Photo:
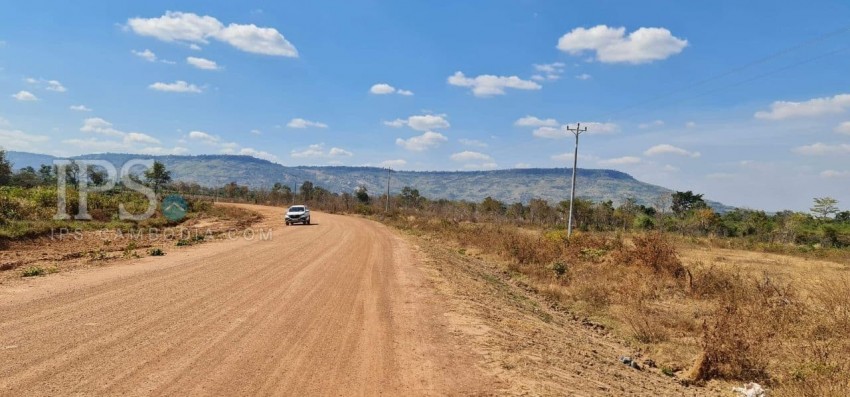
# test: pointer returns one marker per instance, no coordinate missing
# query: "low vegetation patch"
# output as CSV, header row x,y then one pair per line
x,y
699,321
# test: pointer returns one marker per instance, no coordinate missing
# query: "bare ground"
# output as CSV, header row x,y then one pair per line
x,y
345,307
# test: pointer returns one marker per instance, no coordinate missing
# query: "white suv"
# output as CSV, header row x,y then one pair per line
x,y
298,214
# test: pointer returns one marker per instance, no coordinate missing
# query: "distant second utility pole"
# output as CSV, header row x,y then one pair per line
x,y
576,131
387,209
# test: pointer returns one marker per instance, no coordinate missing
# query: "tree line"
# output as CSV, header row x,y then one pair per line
x,y
685,213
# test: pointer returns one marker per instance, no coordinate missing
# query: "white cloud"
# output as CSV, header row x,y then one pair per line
x,y
843,128
382,89
251,38
393,163
98,125
654,124
422,142
611,45
594,127
397,123
204,137
256,132
302,123
318,151
202,63
49,85
627,160
835,174
130,142
423,122
161,151
258,154
177,86
147,55
467,156
488,85
781,110
821,149
669,149
54,85
522,165
19,140
472,142
551,133
531,121
25,96
79,108
583,77
549,71
192,28
427,122
563,132
690,124
138,137
177,26
385,89
94,145
336,152
474,160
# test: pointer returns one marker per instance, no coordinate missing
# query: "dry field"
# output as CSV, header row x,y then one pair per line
x,y
704,316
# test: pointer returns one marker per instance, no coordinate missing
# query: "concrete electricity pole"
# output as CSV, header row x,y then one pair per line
x,y
576,131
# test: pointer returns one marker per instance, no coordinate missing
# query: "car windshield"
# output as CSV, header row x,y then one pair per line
x,y
296,209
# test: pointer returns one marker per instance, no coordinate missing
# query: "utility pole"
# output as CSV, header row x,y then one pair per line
x,y
576,131
387,209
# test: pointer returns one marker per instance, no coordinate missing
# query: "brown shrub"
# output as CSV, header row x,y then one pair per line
x,y
706,282
653,251
644,323
740,338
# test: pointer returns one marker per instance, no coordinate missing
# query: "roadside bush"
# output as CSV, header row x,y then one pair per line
x,y
33,271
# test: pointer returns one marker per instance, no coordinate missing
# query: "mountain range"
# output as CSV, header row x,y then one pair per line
x,y
510,185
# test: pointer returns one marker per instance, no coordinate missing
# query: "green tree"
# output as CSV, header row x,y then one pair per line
x,y
307,191
492,206
5,169
685,202
97,176
362,194
47,174
25,177
410,197
825,207
157,176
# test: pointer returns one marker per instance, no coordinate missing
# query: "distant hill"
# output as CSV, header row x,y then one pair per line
x,y
512,185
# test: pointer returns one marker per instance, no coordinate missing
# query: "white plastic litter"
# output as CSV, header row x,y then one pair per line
x,y
750,390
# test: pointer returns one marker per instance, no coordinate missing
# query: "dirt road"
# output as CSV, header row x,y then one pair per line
x,y
337,308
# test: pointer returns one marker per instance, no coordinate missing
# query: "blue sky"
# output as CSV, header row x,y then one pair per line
x,y
747,102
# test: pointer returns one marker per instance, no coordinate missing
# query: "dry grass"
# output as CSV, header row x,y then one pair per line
x,y
725,314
